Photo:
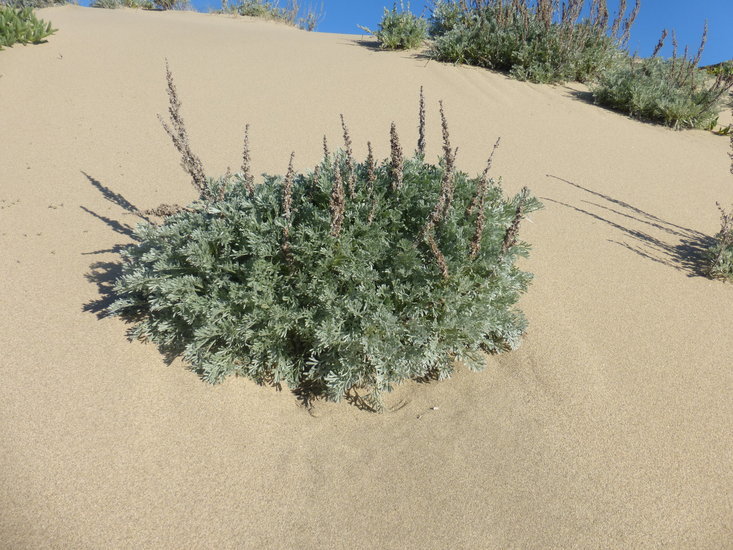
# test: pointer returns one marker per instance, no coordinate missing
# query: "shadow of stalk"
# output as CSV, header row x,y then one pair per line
x,y
686,251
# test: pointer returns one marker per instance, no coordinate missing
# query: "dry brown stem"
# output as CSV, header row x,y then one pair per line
x,y
337,202
421,133
177,132
246,164
371,178
478,203
287,206
351,176
397,159
164,210
510,237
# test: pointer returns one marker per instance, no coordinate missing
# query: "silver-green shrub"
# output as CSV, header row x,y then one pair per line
x,y
352,275
541,41
669,91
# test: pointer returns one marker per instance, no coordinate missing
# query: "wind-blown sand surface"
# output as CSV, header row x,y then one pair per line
x,y
609,428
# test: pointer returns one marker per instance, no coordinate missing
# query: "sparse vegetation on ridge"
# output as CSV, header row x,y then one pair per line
x,y
400,29
292,14
352,275
672,91
114,4
21,26
543,41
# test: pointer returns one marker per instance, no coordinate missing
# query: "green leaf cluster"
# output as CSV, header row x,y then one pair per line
x,y
20,25
239,286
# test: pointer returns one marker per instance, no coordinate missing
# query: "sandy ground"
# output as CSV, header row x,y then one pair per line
x,y
609,428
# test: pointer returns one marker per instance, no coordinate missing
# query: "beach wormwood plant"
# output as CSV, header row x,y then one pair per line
x,y
348,278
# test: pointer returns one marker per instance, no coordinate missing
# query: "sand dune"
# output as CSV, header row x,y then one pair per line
x,y
609,428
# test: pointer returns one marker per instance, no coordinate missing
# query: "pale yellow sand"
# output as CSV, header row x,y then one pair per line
x,y
609,428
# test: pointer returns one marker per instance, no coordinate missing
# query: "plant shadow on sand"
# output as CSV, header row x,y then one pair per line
x,y
686,254
104,274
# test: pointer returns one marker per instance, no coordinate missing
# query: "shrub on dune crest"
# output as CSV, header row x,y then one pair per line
x,y
542,41
400,29
669,91
21,26
306,19
114,4
352,275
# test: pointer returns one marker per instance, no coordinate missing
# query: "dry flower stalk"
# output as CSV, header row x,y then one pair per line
x,y
447,183
510,237
287,205
421,133
177,132
446,197
371,178
337,203
164,210
482,186
325,148
288,190
479,201
246,164
351,176
439,257
397,159
660,44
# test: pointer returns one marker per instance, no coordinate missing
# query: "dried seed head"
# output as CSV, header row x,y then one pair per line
x,y
337,202
288,190
630,23
421,133
325,148
619,18
371,178
246,164
397,160
439,257
287,208
482,186
704,41
660,44
177,132
510,237
351,176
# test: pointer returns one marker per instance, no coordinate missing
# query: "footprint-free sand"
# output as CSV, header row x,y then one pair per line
x,y
611,427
